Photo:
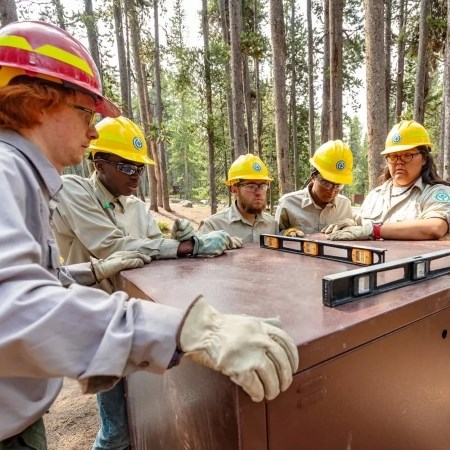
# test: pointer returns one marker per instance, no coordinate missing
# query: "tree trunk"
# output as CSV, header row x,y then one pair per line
x,y
312,133
279,75
123,64
376,85
336,77
403,4
92,33
446,104
259,119
248,105
60,14
422,63
236,77
209,109
293,101
158,110
8,12
325,119
144,109
226,39
387,49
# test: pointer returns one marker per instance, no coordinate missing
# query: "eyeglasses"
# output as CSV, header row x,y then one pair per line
x,y
328,185
126,168
253,187
92,114
404,158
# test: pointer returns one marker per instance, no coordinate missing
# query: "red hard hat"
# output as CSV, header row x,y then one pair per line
x,y
43,50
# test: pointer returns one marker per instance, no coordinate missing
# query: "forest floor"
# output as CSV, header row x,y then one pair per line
x,y
72,421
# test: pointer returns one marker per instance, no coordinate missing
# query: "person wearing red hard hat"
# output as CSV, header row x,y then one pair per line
x,y
50,326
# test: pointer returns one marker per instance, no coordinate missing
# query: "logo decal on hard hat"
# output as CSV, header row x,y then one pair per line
x,y
138,144
257,167
442,196
340,165
396,138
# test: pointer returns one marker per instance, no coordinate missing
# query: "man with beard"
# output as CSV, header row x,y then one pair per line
x,y
249,181
320,203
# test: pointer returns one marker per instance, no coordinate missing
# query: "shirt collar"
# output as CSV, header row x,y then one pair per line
x,y
106,197
34,155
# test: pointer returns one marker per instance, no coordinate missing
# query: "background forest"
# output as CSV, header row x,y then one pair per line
x,y
208,80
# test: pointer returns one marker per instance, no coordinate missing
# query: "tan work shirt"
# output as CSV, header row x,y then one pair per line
x,y
422,201
297,209
235,224
90,221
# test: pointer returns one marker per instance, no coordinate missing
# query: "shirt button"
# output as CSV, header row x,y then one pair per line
x,y
143,364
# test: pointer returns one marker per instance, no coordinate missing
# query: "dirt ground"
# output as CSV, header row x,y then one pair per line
x,y
72,421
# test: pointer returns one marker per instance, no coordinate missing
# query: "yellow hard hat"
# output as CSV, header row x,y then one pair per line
x,y
334,161
405,135
121,137
247,167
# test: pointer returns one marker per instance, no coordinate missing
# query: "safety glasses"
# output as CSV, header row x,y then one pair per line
x,y
126,168
253,187
91,114
328,185
405,158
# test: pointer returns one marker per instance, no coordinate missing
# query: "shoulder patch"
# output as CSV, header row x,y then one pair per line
x,y
442,196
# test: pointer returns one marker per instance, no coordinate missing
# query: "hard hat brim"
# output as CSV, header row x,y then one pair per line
x,y
398,148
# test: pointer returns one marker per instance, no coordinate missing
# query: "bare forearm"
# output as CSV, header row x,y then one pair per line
x,y
421,229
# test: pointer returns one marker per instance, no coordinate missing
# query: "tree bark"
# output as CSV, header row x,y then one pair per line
x,y
209,109
8,12
92,34
279,75
387,49
122,58
400,60
422,63
312,133
158,110
376,85
293,102
336,77
325,116
144,108
446,105
236,77
248,105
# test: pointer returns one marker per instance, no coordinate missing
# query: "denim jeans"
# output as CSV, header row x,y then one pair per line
x,y
32,438
113,432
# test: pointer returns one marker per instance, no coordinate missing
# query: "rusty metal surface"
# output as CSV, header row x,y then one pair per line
x,y
268,283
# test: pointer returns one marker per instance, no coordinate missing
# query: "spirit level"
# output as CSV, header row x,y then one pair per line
x,y
355,284
360,255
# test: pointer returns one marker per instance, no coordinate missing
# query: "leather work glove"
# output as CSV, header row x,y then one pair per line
x,y
293,232
211,244
234,242
338,226
255,354
182,230
356,233
121,260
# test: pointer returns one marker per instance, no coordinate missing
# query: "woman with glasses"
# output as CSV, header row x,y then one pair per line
x,y
411,201
320,203
249,181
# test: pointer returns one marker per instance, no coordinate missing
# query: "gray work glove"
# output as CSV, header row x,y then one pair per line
x,y
234,242
293,232
182,230
121,260
211,244
256,354
338,226
355,233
